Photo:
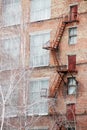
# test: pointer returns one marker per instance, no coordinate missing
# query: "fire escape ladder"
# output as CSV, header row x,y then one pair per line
x,y
55,59
60,79
53,45
56,85
59,35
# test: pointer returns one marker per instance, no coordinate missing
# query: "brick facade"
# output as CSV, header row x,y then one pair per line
x,y
58,111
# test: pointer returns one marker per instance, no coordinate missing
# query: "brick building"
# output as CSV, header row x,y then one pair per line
x,y
43,65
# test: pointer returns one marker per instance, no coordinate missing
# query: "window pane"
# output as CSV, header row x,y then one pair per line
x,y
75,31
71,86
74,39
72,35
72,90
72,81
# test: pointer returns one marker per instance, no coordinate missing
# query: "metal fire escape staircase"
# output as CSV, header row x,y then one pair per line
x,y
53,47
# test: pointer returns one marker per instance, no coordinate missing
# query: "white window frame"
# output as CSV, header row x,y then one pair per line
x,y
42,99
43,58
72,87
40,13
72,36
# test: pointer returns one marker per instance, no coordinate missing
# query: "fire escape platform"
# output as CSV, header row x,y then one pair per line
x,y
71,21
63,71
49,48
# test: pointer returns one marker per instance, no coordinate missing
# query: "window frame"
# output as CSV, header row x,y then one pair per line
x,y
12,40
44,99
72,36
71,86
5,14
71,128
46,53
44,17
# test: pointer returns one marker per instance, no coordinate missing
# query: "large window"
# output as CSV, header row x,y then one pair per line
x,y
11,12
38,104
73,35
71,85
40,10
38,55
10,94
10,50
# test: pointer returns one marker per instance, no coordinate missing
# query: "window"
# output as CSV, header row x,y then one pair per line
x,y
71,128
73,12
39,129
38,104
71,62
40,10
38,55
12,105
71,85
10,52
12,99
73,35
70,112
11,12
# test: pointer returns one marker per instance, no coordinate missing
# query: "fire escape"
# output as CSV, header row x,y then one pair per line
x,y
53,46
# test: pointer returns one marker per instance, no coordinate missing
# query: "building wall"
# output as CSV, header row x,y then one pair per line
x,y
58,9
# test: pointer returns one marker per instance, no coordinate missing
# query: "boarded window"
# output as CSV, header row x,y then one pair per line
x,y
71,112
73,12
72,62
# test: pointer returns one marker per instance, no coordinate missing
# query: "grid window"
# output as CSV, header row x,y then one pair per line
x,y
38,104
38,55
71,85
11,12
40,10
73,35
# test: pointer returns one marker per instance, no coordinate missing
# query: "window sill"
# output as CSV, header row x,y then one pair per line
x,y
5,26
39,21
